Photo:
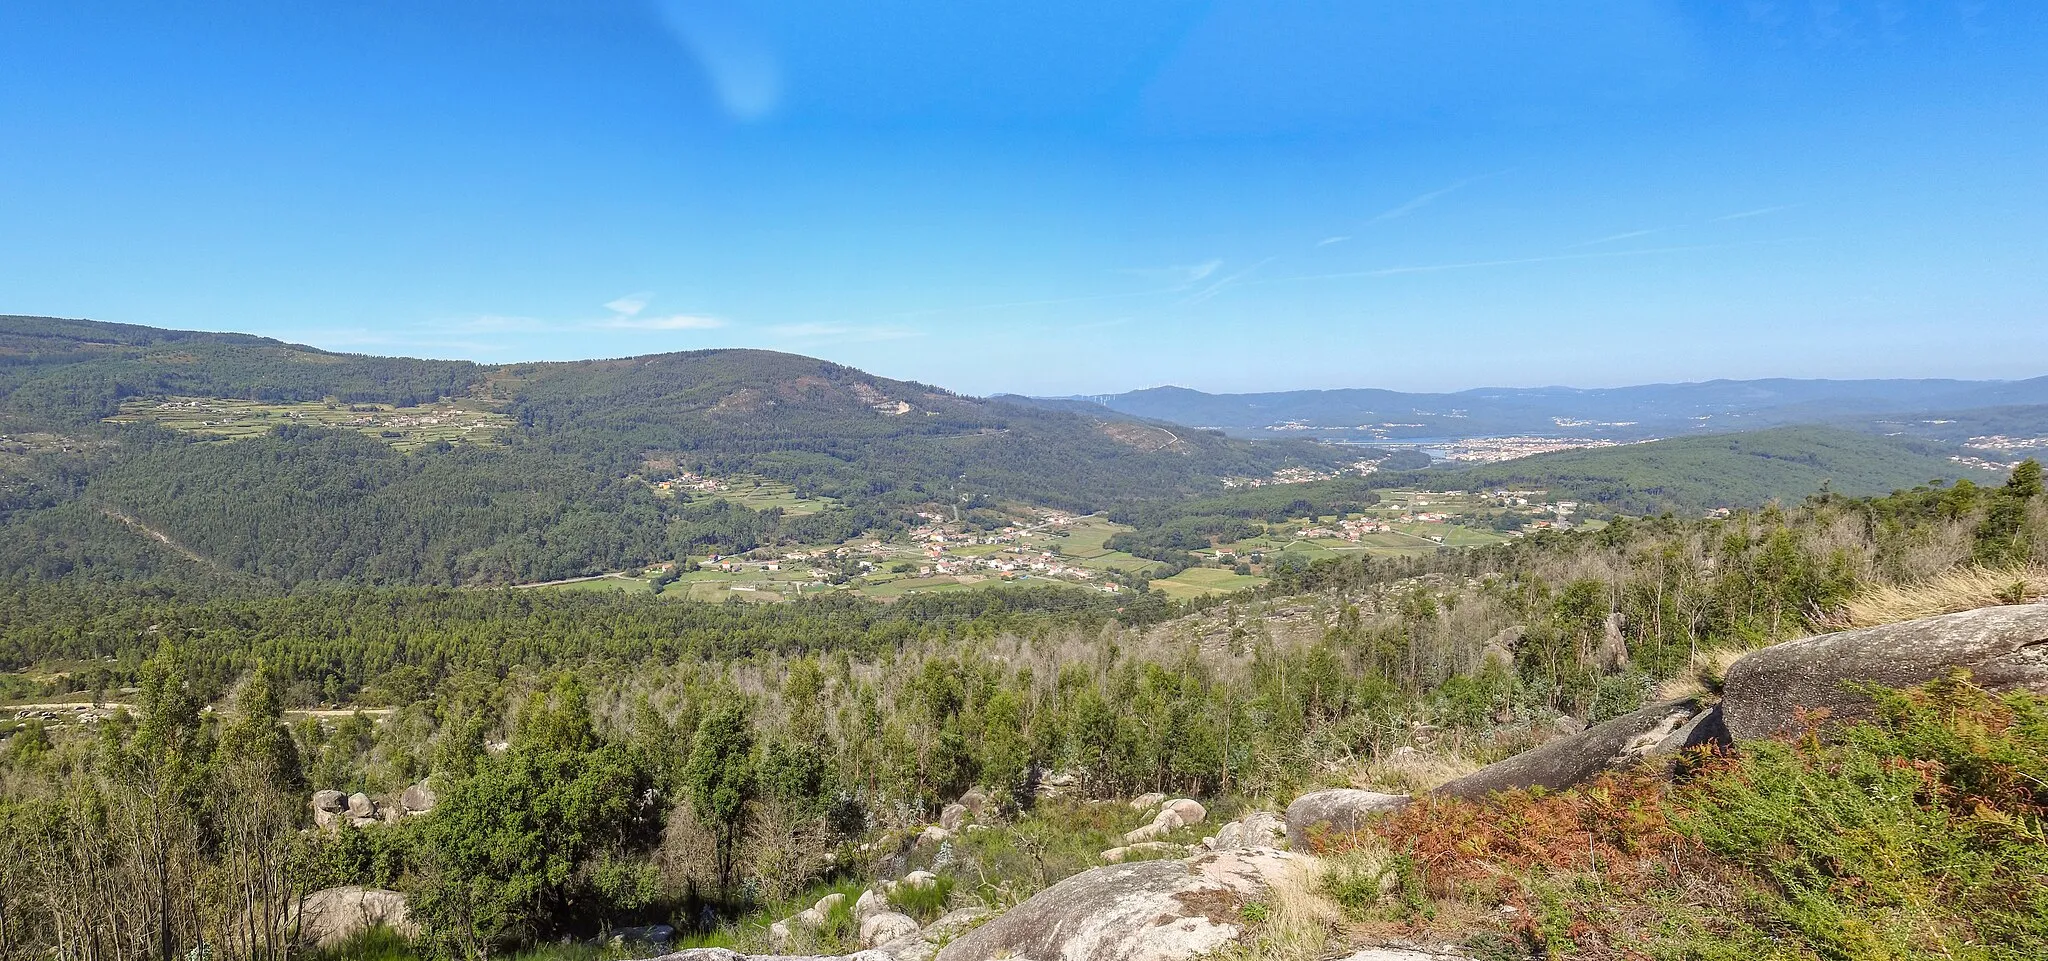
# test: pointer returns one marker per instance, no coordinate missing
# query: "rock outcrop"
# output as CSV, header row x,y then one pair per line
x,y
1336,811
1613,653
1653,731
886,926
1500,649
418,799
331,916
1190,810
1148,911
1764,693
329,807
1259,829
870,903
1172,816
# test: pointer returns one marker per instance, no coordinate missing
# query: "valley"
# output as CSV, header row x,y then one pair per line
x,y
708,650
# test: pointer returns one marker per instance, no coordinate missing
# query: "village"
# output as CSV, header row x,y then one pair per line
x,y
1020,544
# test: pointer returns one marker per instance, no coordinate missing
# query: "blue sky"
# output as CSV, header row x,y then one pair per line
x,y
1053,197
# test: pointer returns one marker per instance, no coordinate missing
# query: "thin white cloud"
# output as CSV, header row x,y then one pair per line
x,y
1327,241
630,304
1518,261
1226,283
1420,201
1746,214
1621,236
671,322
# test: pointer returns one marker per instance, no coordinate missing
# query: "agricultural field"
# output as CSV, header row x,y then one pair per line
x,y
1085,543
406,428
757,494
1197,581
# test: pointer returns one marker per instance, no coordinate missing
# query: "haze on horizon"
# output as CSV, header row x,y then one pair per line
x,y
1066,199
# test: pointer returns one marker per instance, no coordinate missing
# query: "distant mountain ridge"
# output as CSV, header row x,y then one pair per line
x,y
1621,413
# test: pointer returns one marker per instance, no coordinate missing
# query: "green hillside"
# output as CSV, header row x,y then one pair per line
x,y
129,452
1724,470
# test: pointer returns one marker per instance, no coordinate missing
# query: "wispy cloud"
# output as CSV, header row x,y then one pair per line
x,y
631,303
627,310
1518,261
1420,201
1327,241
1226,283
1630,235
842,332
1758,212
671,322
1046,302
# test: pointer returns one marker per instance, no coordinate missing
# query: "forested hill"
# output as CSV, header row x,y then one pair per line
x,y
1726,470
78,371
241,459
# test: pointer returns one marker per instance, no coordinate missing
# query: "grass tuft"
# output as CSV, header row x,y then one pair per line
x,y
1962,589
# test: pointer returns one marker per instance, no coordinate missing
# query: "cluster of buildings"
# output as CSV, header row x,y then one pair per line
x,y
687,481
1302,475
1488,450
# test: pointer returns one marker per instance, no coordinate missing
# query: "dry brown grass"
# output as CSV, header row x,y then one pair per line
x,y
1410,771
1299,921
1701,675
1961,589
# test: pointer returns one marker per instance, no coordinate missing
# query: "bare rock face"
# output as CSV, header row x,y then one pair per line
x,y
360,806
885,927
418,799
334,915
1613,653
2004,648
1165,823
1148,911
1500,649
871,903
1336,811
1259,829
953,817
1146,802
329,808
1190,811
1645,733
976,802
